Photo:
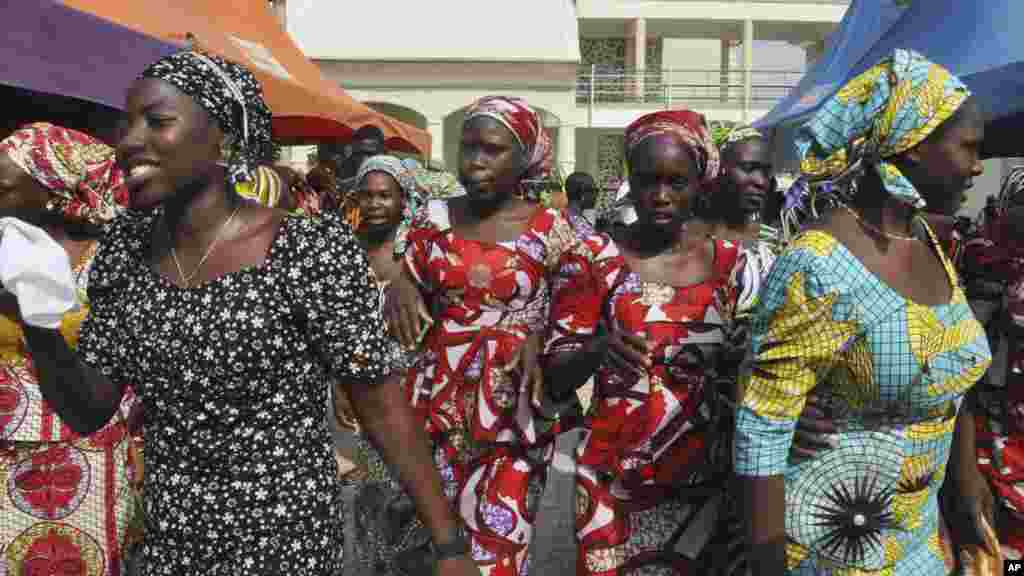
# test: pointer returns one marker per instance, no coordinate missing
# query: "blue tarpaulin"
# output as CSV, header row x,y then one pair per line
x,y
972,39
53,49
863,24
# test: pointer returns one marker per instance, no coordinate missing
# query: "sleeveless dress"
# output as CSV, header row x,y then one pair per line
x,y
240,471
893,374
648,462
68,498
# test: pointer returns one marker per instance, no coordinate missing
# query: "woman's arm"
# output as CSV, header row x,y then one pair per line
x,y
83,397
388,420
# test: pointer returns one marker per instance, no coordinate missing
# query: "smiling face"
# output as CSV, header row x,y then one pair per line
x,y
491,160
168,143
380,202
663,182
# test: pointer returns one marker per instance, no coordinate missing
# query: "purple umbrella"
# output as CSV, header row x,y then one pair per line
x,y
57,50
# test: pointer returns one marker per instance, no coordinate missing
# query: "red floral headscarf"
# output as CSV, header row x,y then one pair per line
x,y
525,123
690,127
78,169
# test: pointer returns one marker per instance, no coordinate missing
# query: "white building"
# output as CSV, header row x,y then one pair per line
x,y
591,66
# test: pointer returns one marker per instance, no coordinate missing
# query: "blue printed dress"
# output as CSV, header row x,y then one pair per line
x,y
893,374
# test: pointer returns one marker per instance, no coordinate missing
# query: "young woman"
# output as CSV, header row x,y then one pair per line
x,y
235,317
483,263
865,311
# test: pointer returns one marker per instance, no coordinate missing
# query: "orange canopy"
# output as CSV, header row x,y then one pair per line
x,y
306,107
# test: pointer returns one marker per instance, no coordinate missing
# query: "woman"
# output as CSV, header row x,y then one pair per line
x,y
865,311
235,316
386,528
993,269
646,312
485,269
69,497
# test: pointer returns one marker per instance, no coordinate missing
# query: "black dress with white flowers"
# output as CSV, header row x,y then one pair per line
x,y
240,476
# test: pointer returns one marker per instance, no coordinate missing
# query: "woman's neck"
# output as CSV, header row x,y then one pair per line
x,y
879,209
648,240
200,212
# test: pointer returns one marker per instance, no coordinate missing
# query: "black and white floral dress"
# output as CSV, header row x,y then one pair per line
x,y
240,475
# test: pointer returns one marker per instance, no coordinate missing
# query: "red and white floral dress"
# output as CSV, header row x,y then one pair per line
x,y
645,465
491,445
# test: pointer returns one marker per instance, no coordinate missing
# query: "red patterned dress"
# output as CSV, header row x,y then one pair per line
x,y
646,465
490,443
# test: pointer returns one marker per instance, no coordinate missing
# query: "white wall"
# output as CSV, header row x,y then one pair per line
x,y
411,30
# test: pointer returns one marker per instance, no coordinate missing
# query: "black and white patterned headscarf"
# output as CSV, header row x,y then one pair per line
x,y
231,94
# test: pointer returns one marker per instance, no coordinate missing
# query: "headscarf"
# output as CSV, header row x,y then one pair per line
x,y
79,170
231,94
728,139
525,123
883,112
265,187
688,126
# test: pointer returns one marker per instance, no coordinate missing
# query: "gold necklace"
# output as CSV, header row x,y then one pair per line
x,y
187,280
874,228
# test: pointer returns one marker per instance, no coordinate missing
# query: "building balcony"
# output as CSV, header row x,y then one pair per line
x,y
598,86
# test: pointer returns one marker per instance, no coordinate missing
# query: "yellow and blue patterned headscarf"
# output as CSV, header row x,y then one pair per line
x,y
883,112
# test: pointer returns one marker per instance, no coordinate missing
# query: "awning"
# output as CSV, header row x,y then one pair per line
x,y
306,107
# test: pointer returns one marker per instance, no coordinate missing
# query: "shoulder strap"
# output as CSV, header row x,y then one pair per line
x,y
954,279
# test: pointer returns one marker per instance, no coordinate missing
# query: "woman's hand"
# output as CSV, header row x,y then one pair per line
x,y
628,352
815,432
974,512
529,364
406,313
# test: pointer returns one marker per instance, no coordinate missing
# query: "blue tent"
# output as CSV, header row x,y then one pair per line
x,y
979,42
973,39
53,49
863,24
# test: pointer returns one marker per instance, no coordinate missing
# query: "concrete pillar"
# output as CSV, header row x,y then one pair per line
x,y
748,65
436,128
724,65
280,9
636,54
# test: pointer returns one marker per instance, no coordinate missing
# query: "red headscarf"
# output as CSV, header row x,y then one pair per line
x,y
516,115
688,126
78,170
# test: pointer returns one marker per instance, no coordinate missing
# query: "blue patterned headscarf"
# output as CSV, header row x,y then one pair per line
x,y
887,110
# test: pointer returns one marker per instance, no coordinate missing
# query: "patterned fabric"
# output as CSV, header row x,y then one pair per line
x,y
892,373
240,473
435,184
492,446
881,113
737,135
79,170
992,267
690,127
231,94
265,187
649,448
69,497
528,128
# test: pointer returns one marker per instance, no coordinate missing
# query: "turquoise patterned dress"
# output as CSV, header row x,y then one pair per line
x,y
893,373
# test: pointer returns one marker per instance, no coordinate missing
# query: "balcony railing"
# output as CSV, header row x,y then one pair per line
x,y
597,86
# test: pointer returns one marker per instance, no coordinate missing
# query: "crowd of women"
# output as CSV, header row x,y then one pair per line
x,y
780,384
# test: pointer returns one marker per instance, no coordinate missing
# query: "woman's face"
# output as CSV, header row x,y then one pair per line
x,y
746,176
491,162
20,194
168,143
380,202
663,181
942,168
